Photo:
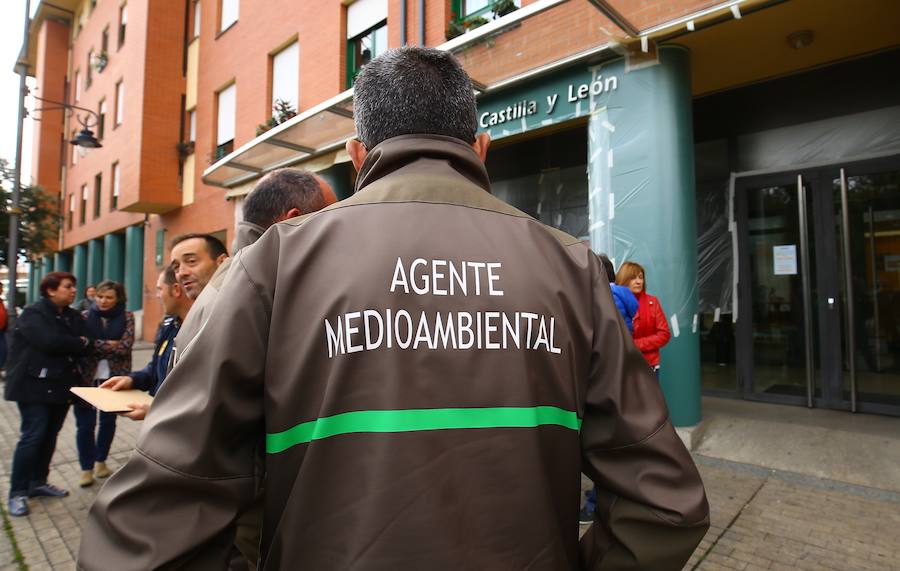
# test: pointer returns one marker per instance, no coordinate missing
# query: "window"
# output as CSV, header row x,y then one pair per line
x,y
160,245
104,41
192,125
74,149
366,34
120,101
286,76
101,119
197,19
98,190
487,9
89,75
82,214
114,195
71,215
77,86
225,121
123,21
228,15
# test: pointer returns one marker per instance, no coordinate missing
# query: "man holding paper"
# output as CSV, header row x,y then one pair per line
x,y
176,305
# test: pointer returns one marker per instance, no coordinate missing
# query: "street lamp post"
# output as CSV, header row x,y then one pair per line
x,y
12,257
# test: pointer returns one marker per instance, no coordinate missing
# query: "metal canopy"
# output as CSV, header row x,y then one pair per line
x,y
496,55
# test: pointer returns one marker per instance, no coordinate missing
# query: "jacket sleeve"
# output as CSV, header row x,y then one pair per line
x,y
45,337
660,337
652,510
143,378
631,303
194,461
104,349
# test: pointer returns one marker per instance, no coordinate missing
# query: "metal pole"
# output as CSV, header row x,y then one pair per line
x,y
848,289
12,256
874,261
403,22
422,23
807,293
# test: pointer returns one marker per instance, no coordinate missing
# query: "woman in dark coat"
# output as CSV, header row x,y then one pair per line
x,y
46,345
111,328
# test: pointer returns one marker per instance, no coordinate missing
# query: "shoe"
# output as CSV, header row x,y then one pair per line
x,y
17,506
101,470
585,516
48,490
86,478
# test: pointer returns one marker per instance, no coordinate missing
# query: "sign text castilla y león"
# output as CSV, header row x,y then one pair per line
x,y
527,107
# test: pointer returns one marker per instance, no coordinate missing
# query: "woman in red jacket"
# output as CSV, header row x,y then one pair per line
x,y
651,329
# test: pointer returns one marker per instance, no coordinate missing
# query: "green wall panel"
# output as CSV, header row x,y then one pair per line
x,y
95,261
114,257
134,267
79,268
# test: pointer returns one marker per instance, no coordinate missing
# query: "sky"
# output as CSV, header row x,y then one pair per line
x,y
12,14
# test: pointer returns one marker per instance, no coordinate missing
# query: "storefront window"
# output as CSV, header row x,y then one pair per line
x,y
545,177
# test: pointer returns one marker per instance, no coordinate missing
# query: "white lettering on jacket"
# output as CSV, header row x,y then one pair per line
x,y
493,330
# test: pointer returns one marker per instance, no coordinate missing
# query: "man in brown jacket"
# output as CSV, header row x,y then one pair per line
x,y
429,371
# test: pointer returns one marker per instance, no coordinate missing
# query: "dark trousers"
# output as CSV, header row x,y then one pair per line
x,y
2,349
93,447
31,460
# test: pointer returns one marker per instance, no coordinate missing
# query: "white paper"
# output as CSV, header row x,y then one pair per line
x,y
675,330
102,370
784,259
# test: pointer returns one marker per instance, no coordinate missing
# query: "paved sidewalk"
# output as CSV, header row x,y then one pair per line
x,y
761,518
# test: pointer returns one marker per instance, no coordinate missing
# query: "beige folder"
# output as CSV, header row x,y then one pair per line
x,y
112,401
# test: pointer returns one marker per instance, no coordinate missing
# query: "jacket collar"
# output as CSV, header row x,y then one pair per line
x,y
246,233
49,307
434,154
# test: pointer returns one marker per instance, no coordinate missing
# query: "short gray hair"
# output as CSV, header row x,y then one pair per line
x,y
412,91
280,191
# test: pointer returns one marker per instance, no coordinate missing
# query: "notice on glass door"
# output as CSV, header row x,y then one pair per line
x,y
785,260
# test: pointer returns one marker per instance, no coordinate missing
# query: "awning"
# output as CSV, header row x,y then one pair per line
x,y
496,55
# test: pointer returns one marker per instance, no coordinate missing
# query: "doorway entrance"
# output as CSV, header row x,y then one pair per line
x,y
819,289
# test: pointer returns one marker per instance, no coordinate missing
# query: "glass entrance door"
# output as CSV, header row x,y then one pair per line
x,y
866,199
777,324
819,287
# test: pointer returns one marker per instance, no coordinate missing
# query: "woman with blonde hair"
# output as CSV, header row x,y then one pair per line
x,y
651,329
111,327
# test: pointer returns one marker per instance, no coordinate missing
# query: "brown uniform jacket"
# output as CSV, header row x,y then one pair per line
x,y
431,370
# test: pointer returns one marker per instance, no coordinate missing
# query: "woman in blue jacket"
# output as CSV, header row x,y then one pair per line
x,y
46,345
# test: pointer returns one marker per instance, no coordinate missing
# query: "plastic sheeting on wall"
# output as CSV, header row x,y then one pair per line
x,y
641,200
844,138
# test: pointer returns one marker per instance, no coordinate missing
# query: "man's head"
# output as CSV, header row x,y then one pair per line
x,y
90,292
413,91
170,294
607,267
284,194
195,258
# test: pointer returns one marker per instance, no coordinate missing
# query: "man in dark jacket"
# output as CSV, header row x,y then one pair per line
x,y
46,344
430,370
175,306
